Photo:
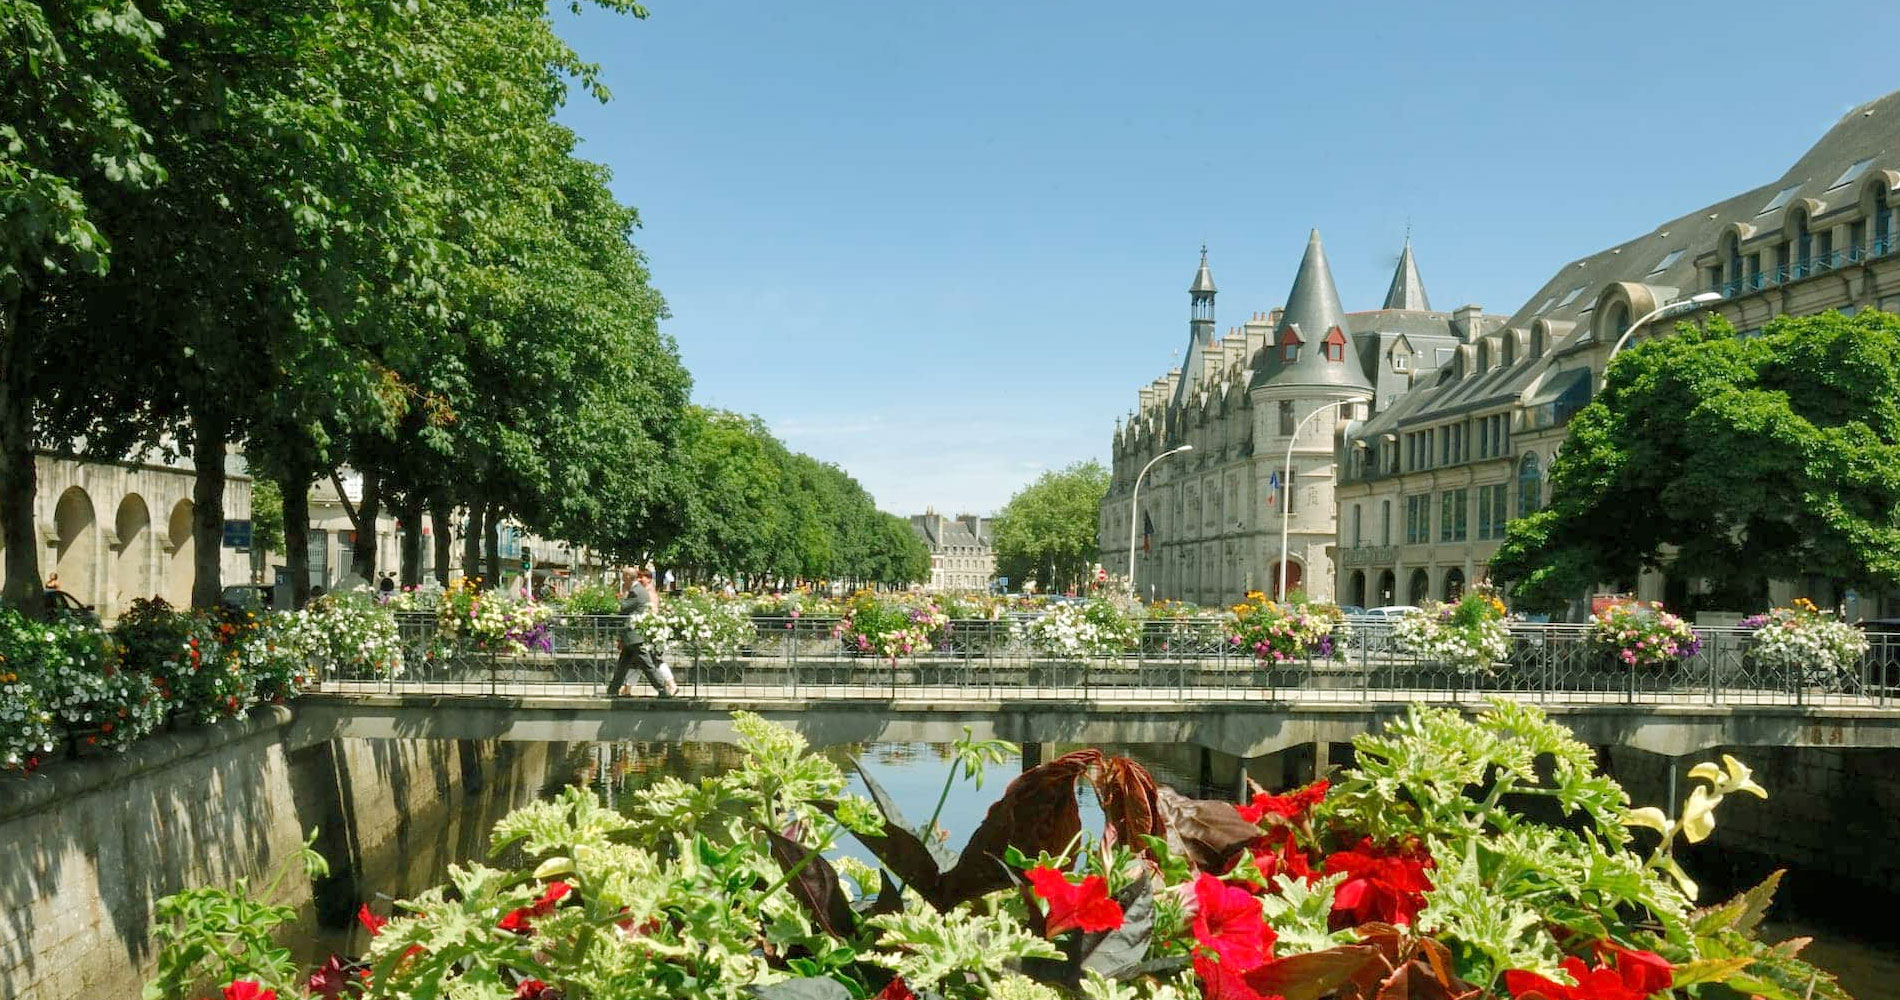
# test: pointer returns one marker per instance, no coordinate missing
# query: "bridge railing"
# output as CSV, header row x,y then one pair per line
x,y
1192,659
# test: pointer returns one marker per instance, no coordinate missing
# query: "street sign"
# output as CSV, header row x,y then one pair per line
x,y
237,534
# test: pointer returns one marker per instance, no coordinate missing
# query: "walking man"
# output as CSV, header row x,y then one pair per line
x,y
637,601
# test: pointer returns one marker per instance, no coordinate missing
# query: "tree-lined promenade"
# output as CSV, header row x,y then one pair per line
x,y
339,235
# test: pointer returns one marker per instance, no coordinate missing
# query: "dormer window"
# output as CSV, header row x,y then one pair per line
x,y
1335,345
1290,345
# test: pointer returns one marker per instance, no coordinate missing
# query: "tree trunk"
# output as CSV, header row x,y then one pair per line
x,y
364,517
17,473
491,537
209,434
472,542
441,512
409,514
296,490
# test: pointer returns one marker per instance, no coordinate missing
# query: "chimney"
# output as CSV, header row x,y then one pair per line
x,y
1464,320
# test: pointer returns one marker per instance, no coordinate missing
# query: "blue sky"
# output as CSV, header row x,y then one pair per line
x,y
943,244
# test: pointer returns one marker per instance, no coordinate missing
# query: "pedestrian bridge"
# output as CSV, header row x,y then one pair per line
x,y
1245,724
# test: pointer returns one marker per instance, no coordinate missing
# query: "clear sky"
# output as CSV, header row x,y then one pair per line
x,y
943,244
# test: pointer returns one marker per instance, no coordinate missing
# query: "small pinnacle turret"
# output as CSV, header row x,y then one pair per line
x,y
1407,291
1200,332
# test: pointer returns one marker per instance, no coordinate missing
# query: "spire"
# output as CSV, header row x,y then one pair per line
x,y
1203,280
1407,291
1194,366
1311,345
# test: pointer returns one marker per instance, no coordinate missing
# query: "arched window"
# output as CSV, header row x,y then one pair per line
x,y
1484,356
1356,590
1421,587
1803,247
1454,584
1509,347
1530,485
1537,342
1732,253
1617,321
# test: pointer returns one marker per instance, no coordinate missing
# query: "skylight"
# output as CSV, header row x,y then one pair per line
x,y
1782,197
1571,296
1668,260
1852,174
1546,306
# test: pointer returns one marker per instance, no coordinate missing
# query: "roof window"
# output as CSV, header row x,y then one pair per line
x,y
1571,296
1666,263
1546,306
1852,173
1782,197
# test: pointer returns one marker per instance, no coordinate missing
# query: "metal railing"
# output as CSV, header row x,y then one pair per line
x,y
1812,265
1185,660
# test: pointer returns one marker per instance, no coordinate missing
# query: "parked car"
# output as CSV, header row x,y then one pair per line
x,y
61,605
247,597
1372,627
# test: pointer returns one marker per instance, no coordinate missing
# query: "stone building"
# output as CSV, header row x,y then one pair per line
x,y
1275,392
1428,484
960,554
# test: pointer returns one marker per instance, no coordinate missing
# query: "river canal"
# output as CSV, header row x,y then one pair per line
x,y
1863,952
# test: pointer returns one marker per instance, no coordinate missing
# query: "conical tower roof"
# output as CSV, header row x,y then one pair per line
x,y
1313,316
1203,279
1407,291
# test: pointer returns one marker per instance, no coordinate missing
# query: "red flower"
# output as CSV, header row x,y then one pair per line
x,y
370,920
1229,924
330,979
533,989
1381,885
1290,807
896,989
248,989
1634,975
1224,981
519,921
1071,906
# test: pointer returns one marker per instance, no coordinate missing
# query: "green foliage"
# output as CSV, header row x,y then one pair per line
x,y
218,935
591,599
267,516
927,947
1744,455
1047,531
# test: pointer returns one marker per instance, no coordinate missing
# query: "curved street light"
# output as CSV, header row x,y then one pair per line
x,y
1668,310
1286,482
1134,512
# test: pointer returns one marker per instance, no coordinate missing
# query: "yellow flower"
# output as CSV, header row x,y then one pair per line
x,y
1651,818
1698,815
1738,779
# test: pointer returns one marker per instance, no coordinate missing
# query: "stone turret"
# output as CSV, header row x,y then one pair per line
x,y
1194,363
1309,346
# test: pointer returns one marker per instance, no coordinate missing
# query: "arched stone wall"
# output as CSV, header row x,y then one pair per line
x,y
178,567
76,546
132,556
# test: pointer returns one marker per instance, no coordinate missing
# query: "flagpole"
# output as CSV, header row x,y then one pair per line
x,y
1134,511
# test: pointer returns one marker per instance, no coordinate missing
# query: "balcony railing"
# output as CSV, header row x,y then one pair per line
x,y
1815,265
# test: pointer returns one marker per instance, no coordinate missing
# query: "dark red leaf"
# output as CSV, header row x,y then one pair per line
x,y
1208,833
816,886
1312,975
1037,813
1127,793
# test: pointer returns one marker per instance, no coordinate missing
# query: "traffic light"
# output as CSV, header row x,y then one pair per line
x,y
527,558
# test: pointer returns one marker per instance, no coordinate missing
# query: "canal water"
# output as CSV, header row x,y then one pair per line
x,y
1850,939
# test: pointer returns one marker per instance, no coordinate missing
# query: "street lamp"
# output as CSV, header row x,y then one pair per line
x,y
1134,510
1286,482
1668,310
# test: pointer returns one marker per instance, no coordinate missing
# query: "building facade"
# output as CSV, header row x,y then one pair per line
x,y
1262,411
961,557
1453,461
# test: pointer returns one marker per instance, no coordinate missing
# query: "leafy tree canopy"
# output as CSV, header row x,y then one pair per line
x,y
1738,459
1047,532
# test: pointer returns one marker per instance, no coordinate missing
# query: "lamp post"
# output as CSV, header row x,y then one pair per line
x,y
1668,310
1286,482
1134,512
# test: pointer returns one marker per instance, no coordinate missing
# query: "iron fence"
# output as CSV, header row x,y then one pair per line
x,y
1181,660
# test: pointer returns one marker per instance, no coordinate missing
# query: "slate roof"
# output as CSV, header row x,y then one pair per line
x,y
1407,291
1203,280
1312,311
1565,303
941,532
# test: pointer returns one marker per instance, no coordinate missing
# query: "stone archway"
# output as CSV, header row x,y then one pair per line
x,y
1420,587
1388,589
1292,579
179,567
1356,588
1454,584
132,563
76,553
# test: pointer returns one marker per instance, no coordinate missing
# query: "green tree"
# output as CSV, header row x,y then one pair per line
x,y
1047,531
1738,459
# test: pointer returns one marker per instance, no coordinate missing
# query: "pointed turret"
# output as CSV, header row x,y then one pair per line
x,y
1310,345
1200,332
1407,291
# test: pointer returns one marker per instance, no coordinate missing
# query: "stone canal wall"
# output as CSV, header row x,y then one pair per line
x,y
88,847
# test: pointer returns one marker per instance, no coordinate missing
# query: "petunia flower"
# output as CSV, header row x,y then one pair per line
x,y
1072,906
519,921
1290,806
330,979
1630,979
1381,885
1230,925
896,989
370,921
248,989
